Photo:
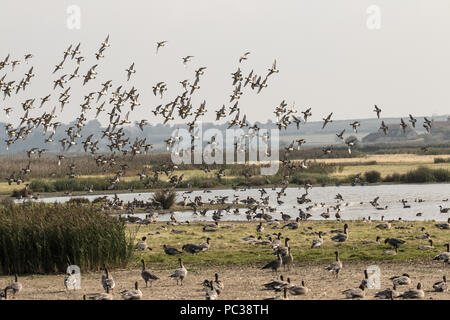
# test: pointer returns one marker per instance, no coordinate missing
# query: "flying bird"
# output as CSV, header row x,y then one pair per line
x,y
160,44
326,120
187,59
244,57
378,111
130,71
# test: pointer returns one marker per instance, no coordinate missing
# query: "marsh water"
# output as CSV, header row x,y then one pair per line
x,y
355,205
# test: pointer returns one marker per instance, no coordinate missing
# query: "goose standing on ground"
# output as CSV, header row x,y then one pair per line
x,y
317,242
275,264
335,266
427,247
142,244
377,240
15,287
288,260
423,236
383,225
275,283
283,250
107,280
441,286
414,293
276,242
147,275
99,296
298,290
402,280
135,294
205,246
341,237
355,293
180,273
444,256
365,281
217,284
292,225
285,217
388,293
260,227
210,292
395,242
443,226
171,251
282,285
192,248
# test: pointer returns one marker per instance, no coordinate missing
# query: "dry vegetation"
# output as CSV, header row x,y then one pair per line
x,y
47,177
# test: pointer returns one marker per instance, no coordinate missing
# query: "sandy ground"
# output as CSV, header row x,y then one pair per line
x,y
244,282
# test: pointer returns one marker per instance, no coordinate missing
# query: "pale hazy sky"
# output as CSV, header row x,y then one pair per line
x,y
327,56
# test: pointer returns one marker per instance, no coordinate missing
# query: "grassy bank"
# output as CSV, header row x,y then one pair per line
x,y
45,238
227,246
421,174
392,168
46,176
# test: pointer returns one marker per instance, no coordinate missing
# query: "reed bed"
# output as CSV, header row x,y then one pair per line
x,y
166,198
46,238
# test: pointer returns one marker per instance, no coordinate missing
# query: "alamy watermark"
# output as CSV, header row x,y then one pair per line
x,y
73,280
374,17
373,277
214,146
74,17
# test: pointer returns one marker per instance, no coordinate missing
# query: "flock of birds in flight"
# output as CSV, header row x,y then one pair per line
x,y
113,103
119,103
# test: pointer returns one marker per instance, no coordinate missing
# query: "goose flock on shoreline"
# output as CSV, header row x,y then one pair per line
x,y
122,101
213,288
